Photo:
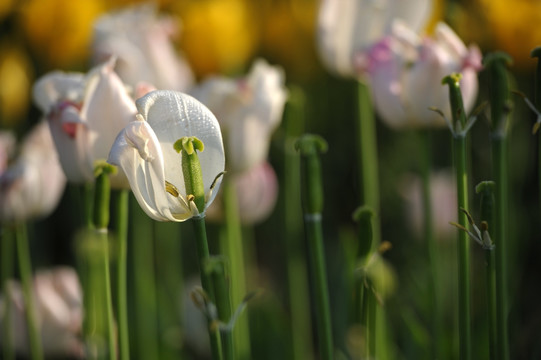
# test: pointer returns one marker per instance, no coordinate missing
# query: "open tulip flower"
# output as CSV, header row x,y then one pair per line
x,y
163,181
33,184
347,28
141,40
85,114
249,109
406,72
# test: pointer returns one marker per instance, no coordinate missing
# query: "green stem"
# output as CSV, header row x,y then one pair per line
x,y
487,210
7,273
431,244
297,273
314,233
463,244
169,283
101,221
368,156
464,317
203,256
491,300
310,146
146,327
499,153
499,91
25,269
233,249
223,305
121,202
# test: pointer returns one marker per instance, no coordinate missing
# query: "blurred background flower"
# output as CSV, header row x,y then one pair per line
x,y
404,65
85,114
215,42
32,185
140,40
59,308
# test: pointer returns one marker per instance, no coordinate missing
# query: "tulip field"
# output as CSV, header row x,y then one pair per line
x,y
274,179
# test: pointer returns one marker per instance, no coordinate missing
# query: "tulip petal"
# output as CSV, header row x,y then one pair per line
x,y
146,177
173,115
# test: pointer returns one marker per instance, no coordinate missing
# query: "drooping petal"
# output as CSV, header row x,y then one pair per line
x,y
138,153
173,115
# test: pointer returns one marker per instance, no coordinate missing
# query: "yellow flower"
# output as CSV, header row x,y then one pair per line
x,y
59,31
509,26
217,35
15,78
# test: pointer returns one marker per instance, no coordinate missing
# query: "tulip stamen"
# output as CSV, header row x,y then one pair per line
x,y
171,189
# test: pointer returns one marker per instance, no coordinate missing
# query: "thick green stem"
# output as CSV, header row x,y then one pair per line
x,y
365,296
232,248
203,256
144,263
7,273
297,273
101,221
464,316
463,245
314,234
431,245
169,283
488,207
496,65
25,269
367,149
499,153
216,267
121,202
309,147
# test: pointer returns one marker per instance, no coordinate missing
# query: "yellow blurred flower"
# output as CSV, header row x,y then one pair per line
x,y
510,26
15,79
288,35
5,7
59,31
218,36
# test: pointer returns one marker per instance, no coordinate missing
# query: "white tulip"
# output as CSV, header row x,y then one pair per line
x,y
142,43
347,28
85,114
145,151
406,70
34,183
249,109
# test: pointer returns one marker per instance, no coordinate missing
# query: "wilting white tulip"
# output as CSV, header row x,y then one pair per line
x,y
146,150
85,114
141,40
59,311
347,28
257,192
406,70
33,184
249,109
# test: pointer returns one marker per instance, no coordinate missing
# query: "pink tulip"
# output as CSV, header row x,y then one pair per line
x,y
406,70
347,28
